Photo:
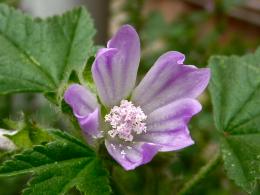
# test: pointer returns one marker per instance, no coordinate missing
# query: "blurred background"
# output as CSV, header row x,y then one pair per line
x,y
197,28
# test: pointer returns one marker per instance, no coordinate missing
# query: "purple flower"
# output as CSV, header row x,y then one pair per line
x,y
143,120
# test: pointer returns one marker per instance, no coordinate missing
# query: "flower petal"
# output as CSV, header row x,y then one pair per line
x,y
86,110
115,68
130,157
170,140
90,126
169,80
81,100
167,126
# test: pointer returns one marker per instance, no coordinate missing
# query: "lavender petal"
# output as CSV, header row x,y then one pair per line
x,y
169,80
115,68
131,156
168,126
85,108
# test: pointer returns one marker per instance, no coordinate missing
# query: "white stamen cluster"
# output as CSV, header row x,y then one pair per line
x,y
125,120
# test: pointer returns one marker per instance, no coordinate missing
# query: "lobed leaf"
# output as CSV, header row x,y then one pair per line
x,y
39,55
235,91
29,136
59,166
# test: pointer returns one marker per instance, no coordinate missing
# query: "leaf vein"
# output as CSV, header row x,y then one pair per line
x,y
31,59
251,95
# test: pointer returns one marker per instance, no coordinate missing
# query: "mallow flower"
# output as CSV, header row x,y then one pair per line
x,y
136,122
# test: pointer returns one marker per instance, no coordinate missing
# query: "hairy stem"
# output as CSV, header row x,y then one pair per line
x,y
203,172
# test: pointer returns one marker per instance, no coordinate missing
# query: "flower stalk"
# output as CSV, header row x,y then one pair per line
x,y
203,173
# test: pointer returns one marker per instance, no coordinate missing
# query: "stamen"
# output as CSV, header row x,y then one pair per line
x,y
126,120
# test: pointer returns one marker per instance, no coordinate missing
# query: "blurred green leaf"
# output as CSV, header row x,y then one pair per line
x,y
235,91
154,28
29,136
10,2
59,166
12,186
39,55
227,5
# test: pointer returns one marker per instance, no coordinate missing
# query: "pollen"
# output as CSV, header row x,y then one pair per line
x,y
126,121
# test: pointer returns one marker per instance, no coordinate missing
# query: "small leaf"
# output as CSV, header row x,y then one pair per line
x,y
59,166
29,136
39,55
235,91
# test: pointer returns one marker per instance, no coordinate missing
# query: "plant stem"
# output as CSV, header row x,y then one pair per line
x,y
203,172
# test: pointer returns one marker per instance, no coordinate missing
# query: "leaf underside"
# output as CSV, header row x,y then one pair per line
x,y
235,91
59,166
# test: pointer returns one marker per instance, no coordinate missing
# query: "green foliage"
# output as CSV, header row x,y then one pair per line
x,y
45,55
235,91
189,33
134,10
13,3
39,55
185,35
58,166
29,136
227,5
12,185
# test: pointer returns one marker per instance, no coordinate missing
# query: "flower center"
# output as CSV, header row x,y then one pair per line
x,y
126,120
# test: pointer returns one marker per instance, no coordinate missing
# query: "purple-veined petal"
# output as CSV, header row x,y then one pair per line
x,y
115,68
85,108
90,126
80,99
167,126
170,140
131,156
103,75
169,80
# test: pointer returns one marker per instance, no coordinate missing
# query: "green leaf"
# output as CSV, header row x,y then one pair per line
x,y
10,2
29,136
235,91
39,55
59,166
